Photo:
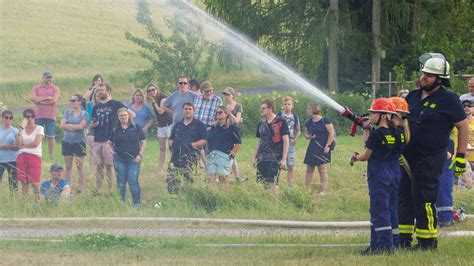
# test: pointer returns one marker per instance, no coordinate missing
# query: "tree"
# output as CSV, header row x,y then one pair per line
x,y
184,52
333,78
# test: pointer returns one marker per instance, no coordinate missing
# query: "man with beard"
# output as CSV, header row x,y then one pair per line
x,y
434,112
104,115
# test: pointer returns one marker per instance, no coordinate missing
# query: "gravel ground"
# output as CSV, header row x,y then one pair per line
x,y
27,232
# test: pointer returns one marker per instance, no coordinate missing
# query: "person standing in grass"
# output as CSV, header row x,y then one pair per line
x,y
92,99
236,111
272,146
143,116
187,138
56,189
174,103
320,133
294,129
127,142
223,144
380,146
45,97
195,86
74,123
29,162
104,115
163,119
8,149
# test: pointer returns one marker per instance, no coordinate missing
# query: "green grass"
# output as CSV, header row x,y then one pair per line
x,y
187,251
76,40
346,200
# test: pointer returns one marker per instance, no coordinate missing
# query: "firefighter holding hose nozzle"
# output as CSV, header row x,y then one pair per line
x,y
434,112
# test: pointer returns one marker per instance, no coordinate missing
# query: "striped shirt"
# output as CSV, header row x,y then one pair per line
x,y
206,110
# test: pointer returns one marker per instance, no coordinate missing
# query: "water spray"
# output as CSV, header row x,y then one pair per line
x,y
239,42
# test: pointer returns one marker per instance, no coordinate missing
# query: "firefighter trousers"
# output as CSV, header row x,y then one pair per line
x,y
417,199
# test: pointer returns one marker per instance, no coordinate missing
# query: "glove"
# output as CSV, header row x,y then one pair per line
x,y
365,122
401,161
353,158
459,164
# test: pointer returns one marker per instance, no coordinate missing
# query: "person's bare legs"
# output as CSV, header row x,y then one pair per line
x,y
51,142
224,182
309,176
163,146
290,175
235,169
36,189
80,172
323,179
68,160
212,179
24,188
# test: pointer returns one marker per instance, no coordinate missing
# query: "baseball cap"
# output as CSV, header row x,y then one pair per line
x,y
229,90
56,167
47,74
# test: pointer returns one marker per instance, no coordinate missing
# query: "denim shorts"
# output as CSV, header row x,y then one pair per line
x,y
290,159
49,126
218,163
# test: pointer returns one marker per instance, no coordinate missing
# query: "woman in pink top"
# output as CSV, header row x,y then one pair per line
x,y
28,161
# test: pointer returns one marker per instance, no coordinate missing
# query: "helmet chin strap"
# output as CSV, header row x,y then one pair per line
x,y
433,86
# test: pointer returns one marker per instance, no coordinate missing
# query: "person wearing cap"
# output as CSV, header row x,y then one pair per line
x,y
434,112
470,95
236,111
380,146
57,188
45,96
206,105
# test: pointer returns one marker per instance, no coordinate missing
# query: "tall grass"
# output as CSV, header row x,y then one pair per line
x,y
347,198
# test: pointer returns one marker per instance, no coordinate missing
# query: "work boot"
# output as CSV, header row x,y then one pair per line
x,y
373,252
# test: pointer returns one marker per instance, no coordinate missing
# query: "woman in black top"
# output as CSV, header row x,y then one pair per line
x,y
127,142
223,143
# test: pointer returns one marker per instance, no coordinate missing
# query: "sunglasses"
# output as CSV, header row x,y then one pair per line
x,y
150,90
182,83
8,117
29,116
73,100
220,112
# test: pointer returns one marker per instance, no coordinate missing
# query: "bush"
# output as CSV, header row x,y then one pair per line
x,y
101,241
358,103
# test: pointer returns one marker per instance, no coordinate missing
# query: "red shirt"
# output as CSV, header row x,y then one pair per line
x,y
47,111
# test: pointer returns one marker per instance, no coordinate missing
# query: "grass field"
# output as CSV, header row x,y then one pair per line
x,y
77,39
188,251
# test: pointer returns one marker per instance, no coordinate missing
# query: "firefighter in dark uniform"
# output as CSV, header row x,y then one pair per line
x,y
434,112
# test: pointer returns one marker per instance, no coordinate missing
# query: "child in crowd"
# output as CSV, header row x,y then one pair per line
x,y
294,129
379,149
402,133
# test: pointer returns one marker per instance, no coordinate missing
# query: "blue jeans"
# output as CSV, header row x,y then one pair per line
x,y
127,172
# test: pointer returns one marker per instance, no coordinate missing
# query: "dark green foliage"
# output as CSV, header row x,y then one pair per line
x,y
358,103
184,52
297,31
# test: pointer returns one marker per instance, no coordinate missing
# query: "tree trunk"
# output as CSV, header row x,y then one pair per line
x,y
416,18
333,60
376,55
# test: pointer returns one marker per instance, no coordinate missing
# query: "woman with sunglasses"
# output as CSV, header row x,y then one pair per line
x,y
223,143
127,142
163,131
8,149
74,123
29,161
